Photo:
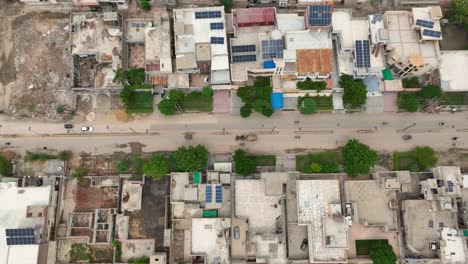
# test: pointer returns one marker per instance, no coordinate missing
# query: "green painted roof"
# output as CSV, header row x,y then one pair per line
x,y
387,75
210,213
465,232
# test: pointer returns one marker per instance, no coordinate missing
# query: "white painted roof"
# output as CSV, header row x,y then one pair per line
x,y
290,22
341,23
452,251
13,215
209,238
453,67
307,39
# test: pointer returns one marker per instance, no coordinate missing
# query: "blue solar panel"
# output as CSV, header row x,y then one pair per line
x,y
320,15
217,40
219,194
432,33
424,23
244,58
20,241
272,49
214,26
20,232
207,14
243,48
208,193
362,53
20,236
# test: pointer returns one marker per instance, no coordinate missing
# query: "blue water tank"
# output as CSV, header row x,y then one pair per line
x,y
269,65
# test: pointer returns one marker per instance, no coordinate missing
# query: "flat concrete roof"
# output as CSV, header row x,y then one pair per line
x,y
453,70
422,224
253,203
370,202
178,182
132,193
289,22
16,201
316,202
210,238
158,43
308,39
239,245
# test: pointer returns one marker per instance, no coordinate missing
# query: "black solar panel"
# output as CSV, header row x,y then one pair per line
x,y
244,58
432,33
207,14
320,15
219,194
217,40
424,23
272,49
214,26
20,232
20,236
243,48
21,241
362,53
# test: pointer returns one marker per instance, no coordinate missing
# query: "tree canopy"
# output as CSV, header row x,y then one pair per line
x,y
431,91
243,164
245,110
408,102
5,166
156,167
382,253
358,158
308,84
132,76
191,158
458,13
167,106
425,156
207,91
227,5
122,166
309,106
257,96
355,92
145,5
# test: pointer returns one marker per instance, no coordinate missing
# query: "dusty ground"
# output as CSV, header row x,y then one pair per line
x,y
149,222
87,197
455,38
34,62
454,158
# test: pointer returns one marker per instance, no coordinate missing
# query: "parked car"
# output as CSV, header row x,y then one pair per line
x,y
87,129
407,137
68,126
236,232
304,244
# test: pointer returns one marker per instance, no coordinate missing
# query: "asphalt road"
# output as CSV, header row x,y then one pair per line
x,y
282,133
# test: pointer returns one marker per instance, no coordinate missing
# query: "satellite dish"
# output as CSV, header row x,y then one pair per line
x,y
59,168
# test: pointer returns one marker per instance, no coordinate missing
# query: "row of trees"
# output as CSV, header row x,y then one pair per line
x,y
411,101
256,97
174,102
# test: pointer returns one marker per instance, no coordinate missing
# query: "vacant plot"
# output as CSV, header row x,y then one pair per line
x,y
197,103
404,161
322,102
363,246
264,160
89,198
140,102
328,162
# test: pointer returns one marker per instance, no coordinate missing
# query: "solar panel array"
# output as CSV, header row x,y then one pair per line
x,y
424,23
272,48
219,194
244,58
208,193
449,186
135,24
217,40
320,15
432,33
207,14
243,48
362,53
214,26
21,236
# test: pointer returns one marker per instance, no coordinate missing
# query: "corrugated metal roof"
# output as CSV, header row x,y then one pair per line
x,y
255,15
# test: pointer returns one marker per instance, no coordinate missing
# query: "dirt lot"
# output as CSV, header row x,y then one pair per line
x,y
88,198
149,222
454,158
34,62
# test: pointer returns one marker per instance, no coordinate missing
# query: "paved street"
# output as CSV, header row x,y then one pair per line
x,y
275,135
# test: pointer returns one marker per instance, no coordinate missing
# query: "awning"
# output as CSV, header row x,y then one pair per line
x,y
277,101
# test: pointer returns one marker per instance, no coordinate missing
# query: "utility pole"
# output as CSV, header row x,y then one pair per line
x,y
414,123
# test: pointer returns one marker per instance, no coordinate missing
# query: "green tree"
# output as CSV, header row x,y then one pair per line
x,y
243,164
245,110
167,106
382,253
425,156
408,102
227,5
308,84
315,167
257,96
355,92
135,75
119,76
156,167
79,173
358,158
258,105
191,158
412,82
125,94
431,91
207,91
309,106
118,250
145,5
122,166
267,111
5,166
176,94
458,13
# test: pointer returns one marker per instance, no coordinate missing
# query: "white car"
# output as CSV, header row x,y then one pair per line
x,y
87,129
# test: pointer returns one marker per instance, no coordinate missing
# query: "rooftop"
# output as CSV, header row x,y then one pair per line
x,y
158,44
13,215
319,207
210,237
453,250
314,60
179,180
245,17
453,70
132,192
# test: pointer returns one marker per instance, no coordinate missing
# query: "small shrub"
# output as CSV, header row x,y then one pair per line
x,y
122,166
145,5
118,250
207,91
245,111
308,84
413,167
5,166
267,111
64,155
411,82
37,156
79,173
60,110
81,251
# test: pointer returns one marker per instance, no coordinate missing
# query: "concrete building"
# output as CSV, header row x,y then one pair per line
x,y
452,247
319,208
210,240
201,44
413,40
452,70
25,219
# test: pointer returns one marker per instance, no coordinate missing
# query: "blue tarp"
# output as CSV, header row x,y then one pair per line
x,y
277,100
269,65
